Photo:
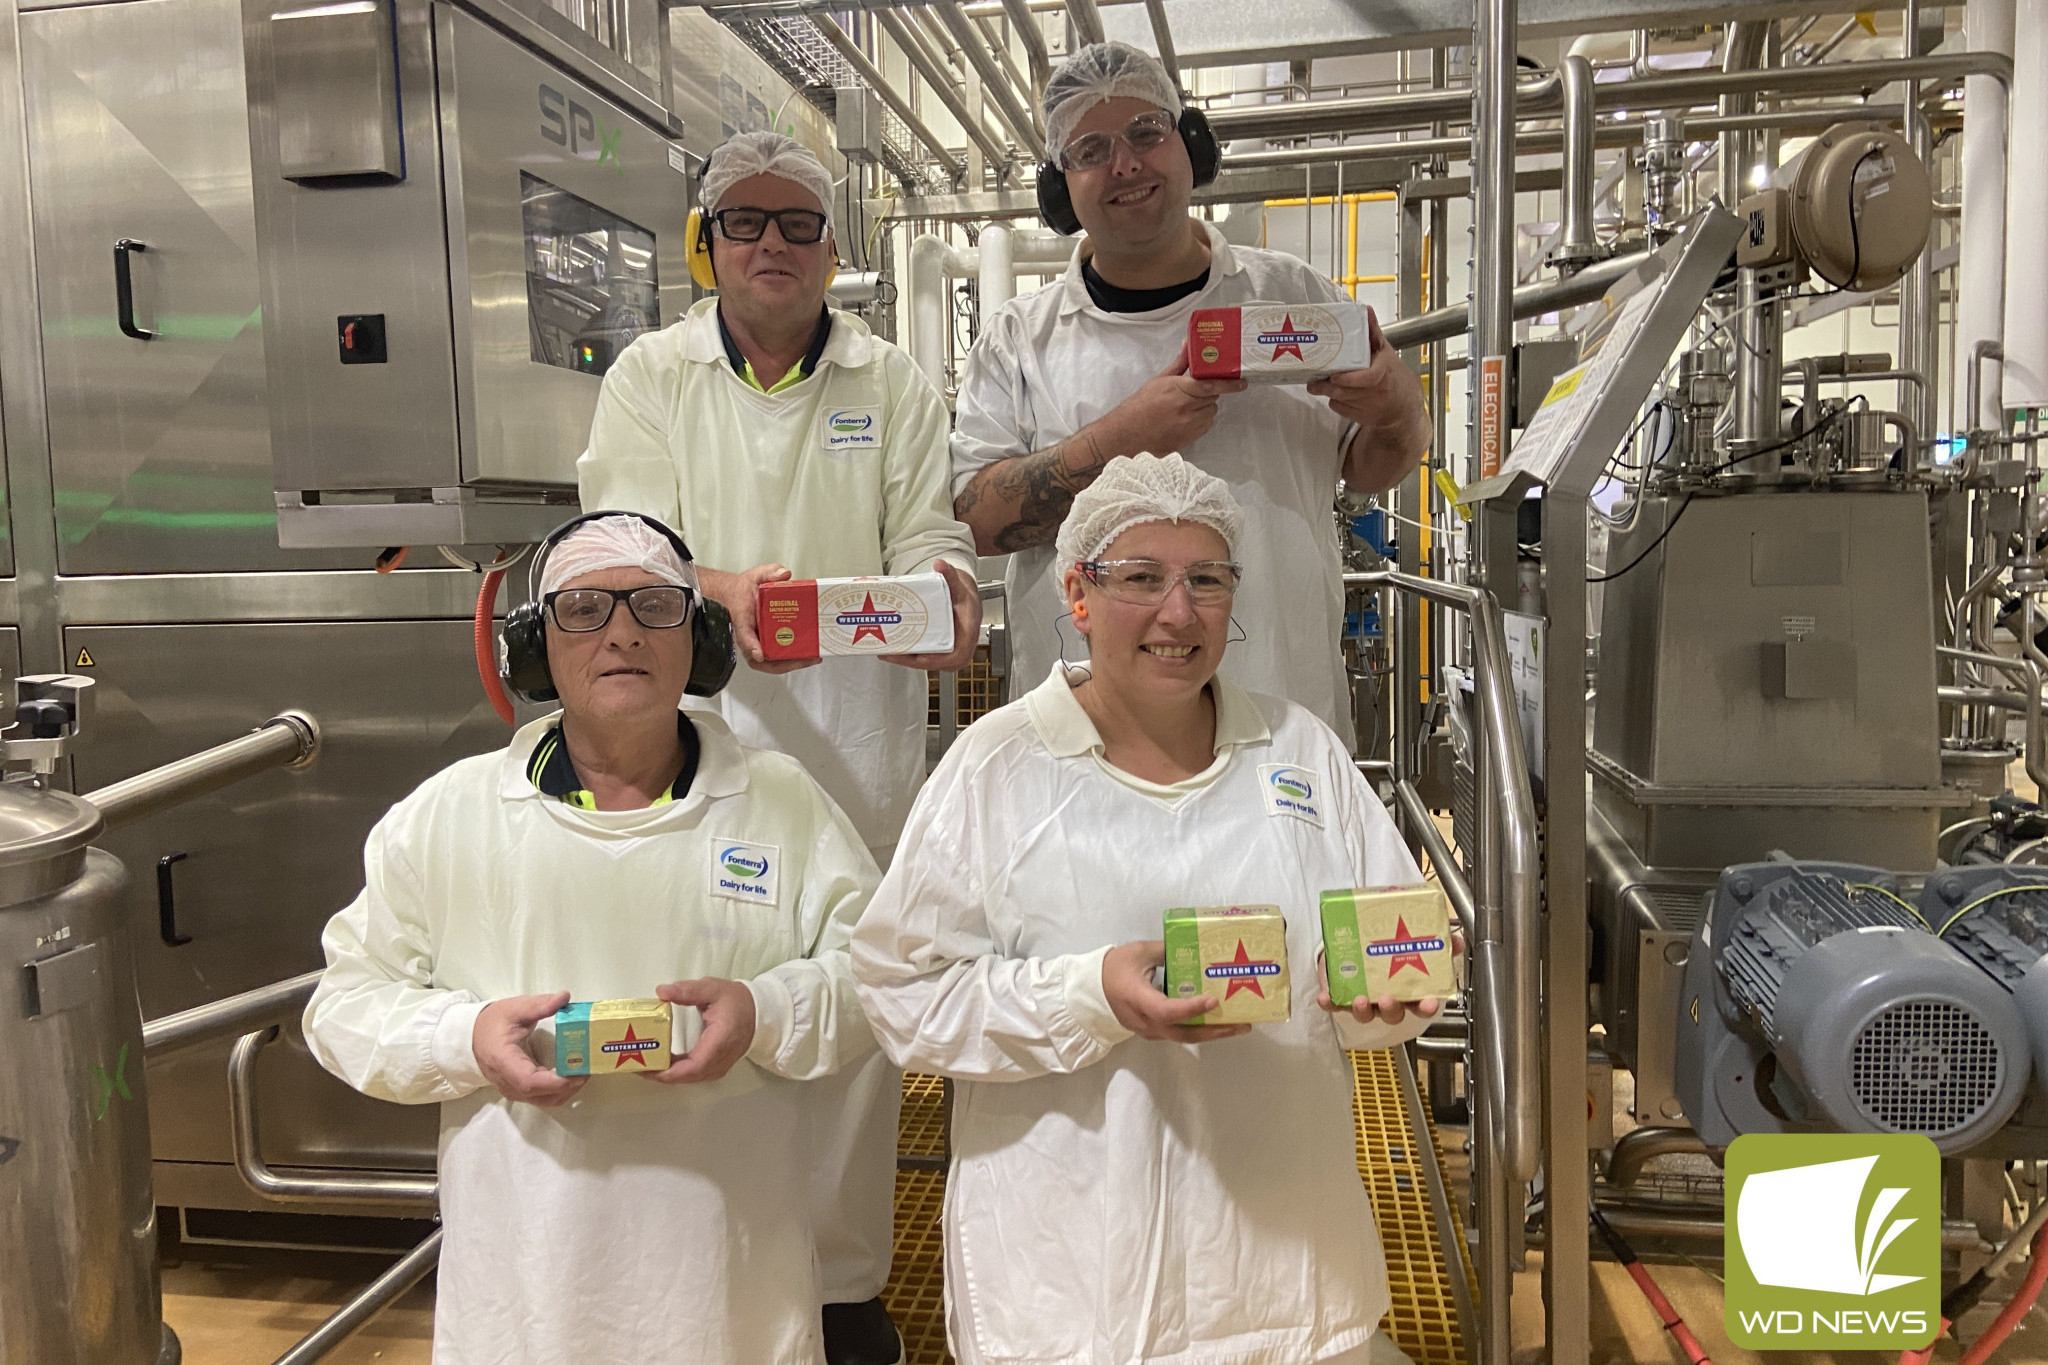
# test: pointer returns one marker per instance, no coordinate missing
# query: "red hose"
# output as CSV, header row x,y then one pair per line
x,y
2016,1308
1925,1353
1668,1315
486,654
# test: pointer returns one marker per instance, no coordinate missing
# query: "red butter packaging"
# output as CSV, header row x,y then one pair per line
x,y
810,618
1278,343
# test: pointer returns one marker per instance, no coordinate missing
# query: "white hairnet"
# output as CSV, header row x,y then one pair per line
x,y
1134,489
1098,72
619,542
749,154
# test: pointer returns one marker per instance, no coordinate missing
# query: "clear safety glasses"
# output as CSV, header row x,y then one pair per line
x,y
1211,583
1141,135
658,607
799,227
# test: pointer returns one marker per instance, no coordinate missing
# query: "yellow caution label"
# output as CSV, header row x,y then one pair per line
x,y
1564,385
1453,494
84,659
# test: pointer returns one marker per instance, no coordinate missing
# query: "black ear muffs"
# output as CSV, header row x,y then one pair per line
x,y
523,646
1205,155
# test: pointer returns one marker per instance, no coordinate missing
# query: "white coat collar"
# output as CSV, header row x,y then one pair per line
x,y
1067,732
1074,297
850,346
721,762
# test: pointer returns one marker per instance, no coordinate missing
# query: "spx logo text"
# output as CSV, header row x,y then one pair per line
x,y
567,123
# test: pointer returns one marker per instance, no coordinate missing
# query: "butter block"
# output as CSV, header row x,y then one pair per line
x,y
605,1037
1278,343
1237,953
810,618
1388,940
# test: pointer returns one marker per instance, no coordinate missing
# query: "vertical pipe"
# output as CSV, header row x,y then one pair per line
x,y
2024,377
1578,244
1493,238
1162,37
1745,49
1980,281
1760,323
1918,317
998,273
928,307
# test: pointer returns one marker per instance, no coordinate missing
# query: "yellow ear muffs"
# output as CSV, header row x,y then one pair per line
x,y
699,234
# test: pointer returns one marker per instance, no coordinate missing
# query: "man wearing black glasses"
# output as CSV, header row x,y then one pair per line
x,y
783,439
1093,366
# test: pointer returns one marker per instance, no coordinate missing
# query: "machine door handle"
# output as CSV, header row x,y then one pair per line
x,y
167,902
124,291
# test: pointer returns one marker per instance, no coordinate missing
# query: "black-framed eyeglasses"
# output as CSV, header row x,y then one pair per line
x,y
1147,582
799,227
658,606
1141,135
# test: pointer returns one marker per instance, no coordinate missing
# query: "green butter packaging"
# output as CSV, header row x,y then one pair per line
x,y
605,1037
1237,953
1388,940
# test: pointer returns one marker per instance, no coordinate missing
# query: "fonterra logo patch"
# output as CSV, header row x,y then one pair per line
x,y
745,872
852,429
1292,791
1833,1241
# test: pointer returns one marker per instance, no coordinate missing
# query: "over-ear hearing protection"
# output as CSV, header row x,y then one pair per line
x,y
1205,154
698,231
523,648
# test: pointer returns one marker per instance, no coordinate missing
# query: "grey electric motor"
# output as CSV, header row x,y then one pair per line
x,y
1817,1000
1997,917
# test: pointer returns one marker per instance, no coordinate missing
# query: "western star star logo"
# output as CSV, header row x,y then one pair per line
x,y
868,621
1287,341
1406,951
1242,973
630,1047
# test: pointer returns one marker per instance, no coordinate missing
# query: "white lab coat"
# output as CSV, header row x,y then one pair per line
x,y
661,1225
752,478
1111,1201
1050,362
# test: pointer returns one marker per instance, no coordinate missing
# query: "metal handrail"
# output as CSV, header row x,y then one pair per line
x,y
290,739
229,1017
1508,907
375,1297
1447,870
328,1187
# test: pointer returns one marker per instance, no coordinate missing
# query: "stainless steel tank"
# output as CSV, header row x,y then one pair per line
x,y
78,1275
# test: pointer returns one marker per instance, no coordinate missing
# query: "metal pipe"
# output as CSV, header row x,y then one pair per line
x,y
328,1187
290,739
1027,93
1983,696
1632,1150
1087,20
1432,839
1531,300
927,278
377,1296
1985,349
942,53
1633,1221
1919,311
876,81
1676,90
995,82
1162,37
1580,244
1744,50
998,275
1026,25
230,1016
892,24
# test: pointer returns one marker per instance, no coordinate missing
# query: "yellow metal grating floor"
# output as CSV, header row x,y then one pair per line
x,y
1423,1318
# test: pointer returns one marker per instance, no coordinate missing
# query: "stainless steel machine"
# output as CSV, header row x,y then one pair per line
x,y
462,222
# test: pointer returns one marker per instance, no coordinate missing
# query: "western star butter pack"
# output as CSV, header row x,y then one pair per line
x,y
1237,953
1278,343
810,618
605,1037
1388,940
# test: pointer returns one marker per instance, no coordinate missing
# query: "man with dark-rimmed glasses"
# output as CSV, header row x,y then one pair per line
x,y
783,439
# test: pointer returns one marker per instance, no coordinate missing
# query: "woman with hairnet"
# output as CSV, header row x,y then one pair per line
x,y
655,1219
1126,1187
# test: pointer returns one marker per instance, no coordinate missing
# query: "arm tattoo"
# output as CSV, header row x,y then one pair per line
x,y
1042,485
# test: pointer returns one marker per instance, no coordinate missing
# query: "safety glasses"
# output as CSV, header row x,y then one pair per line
x,y
1147,582
1141,135
658,607
799,227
